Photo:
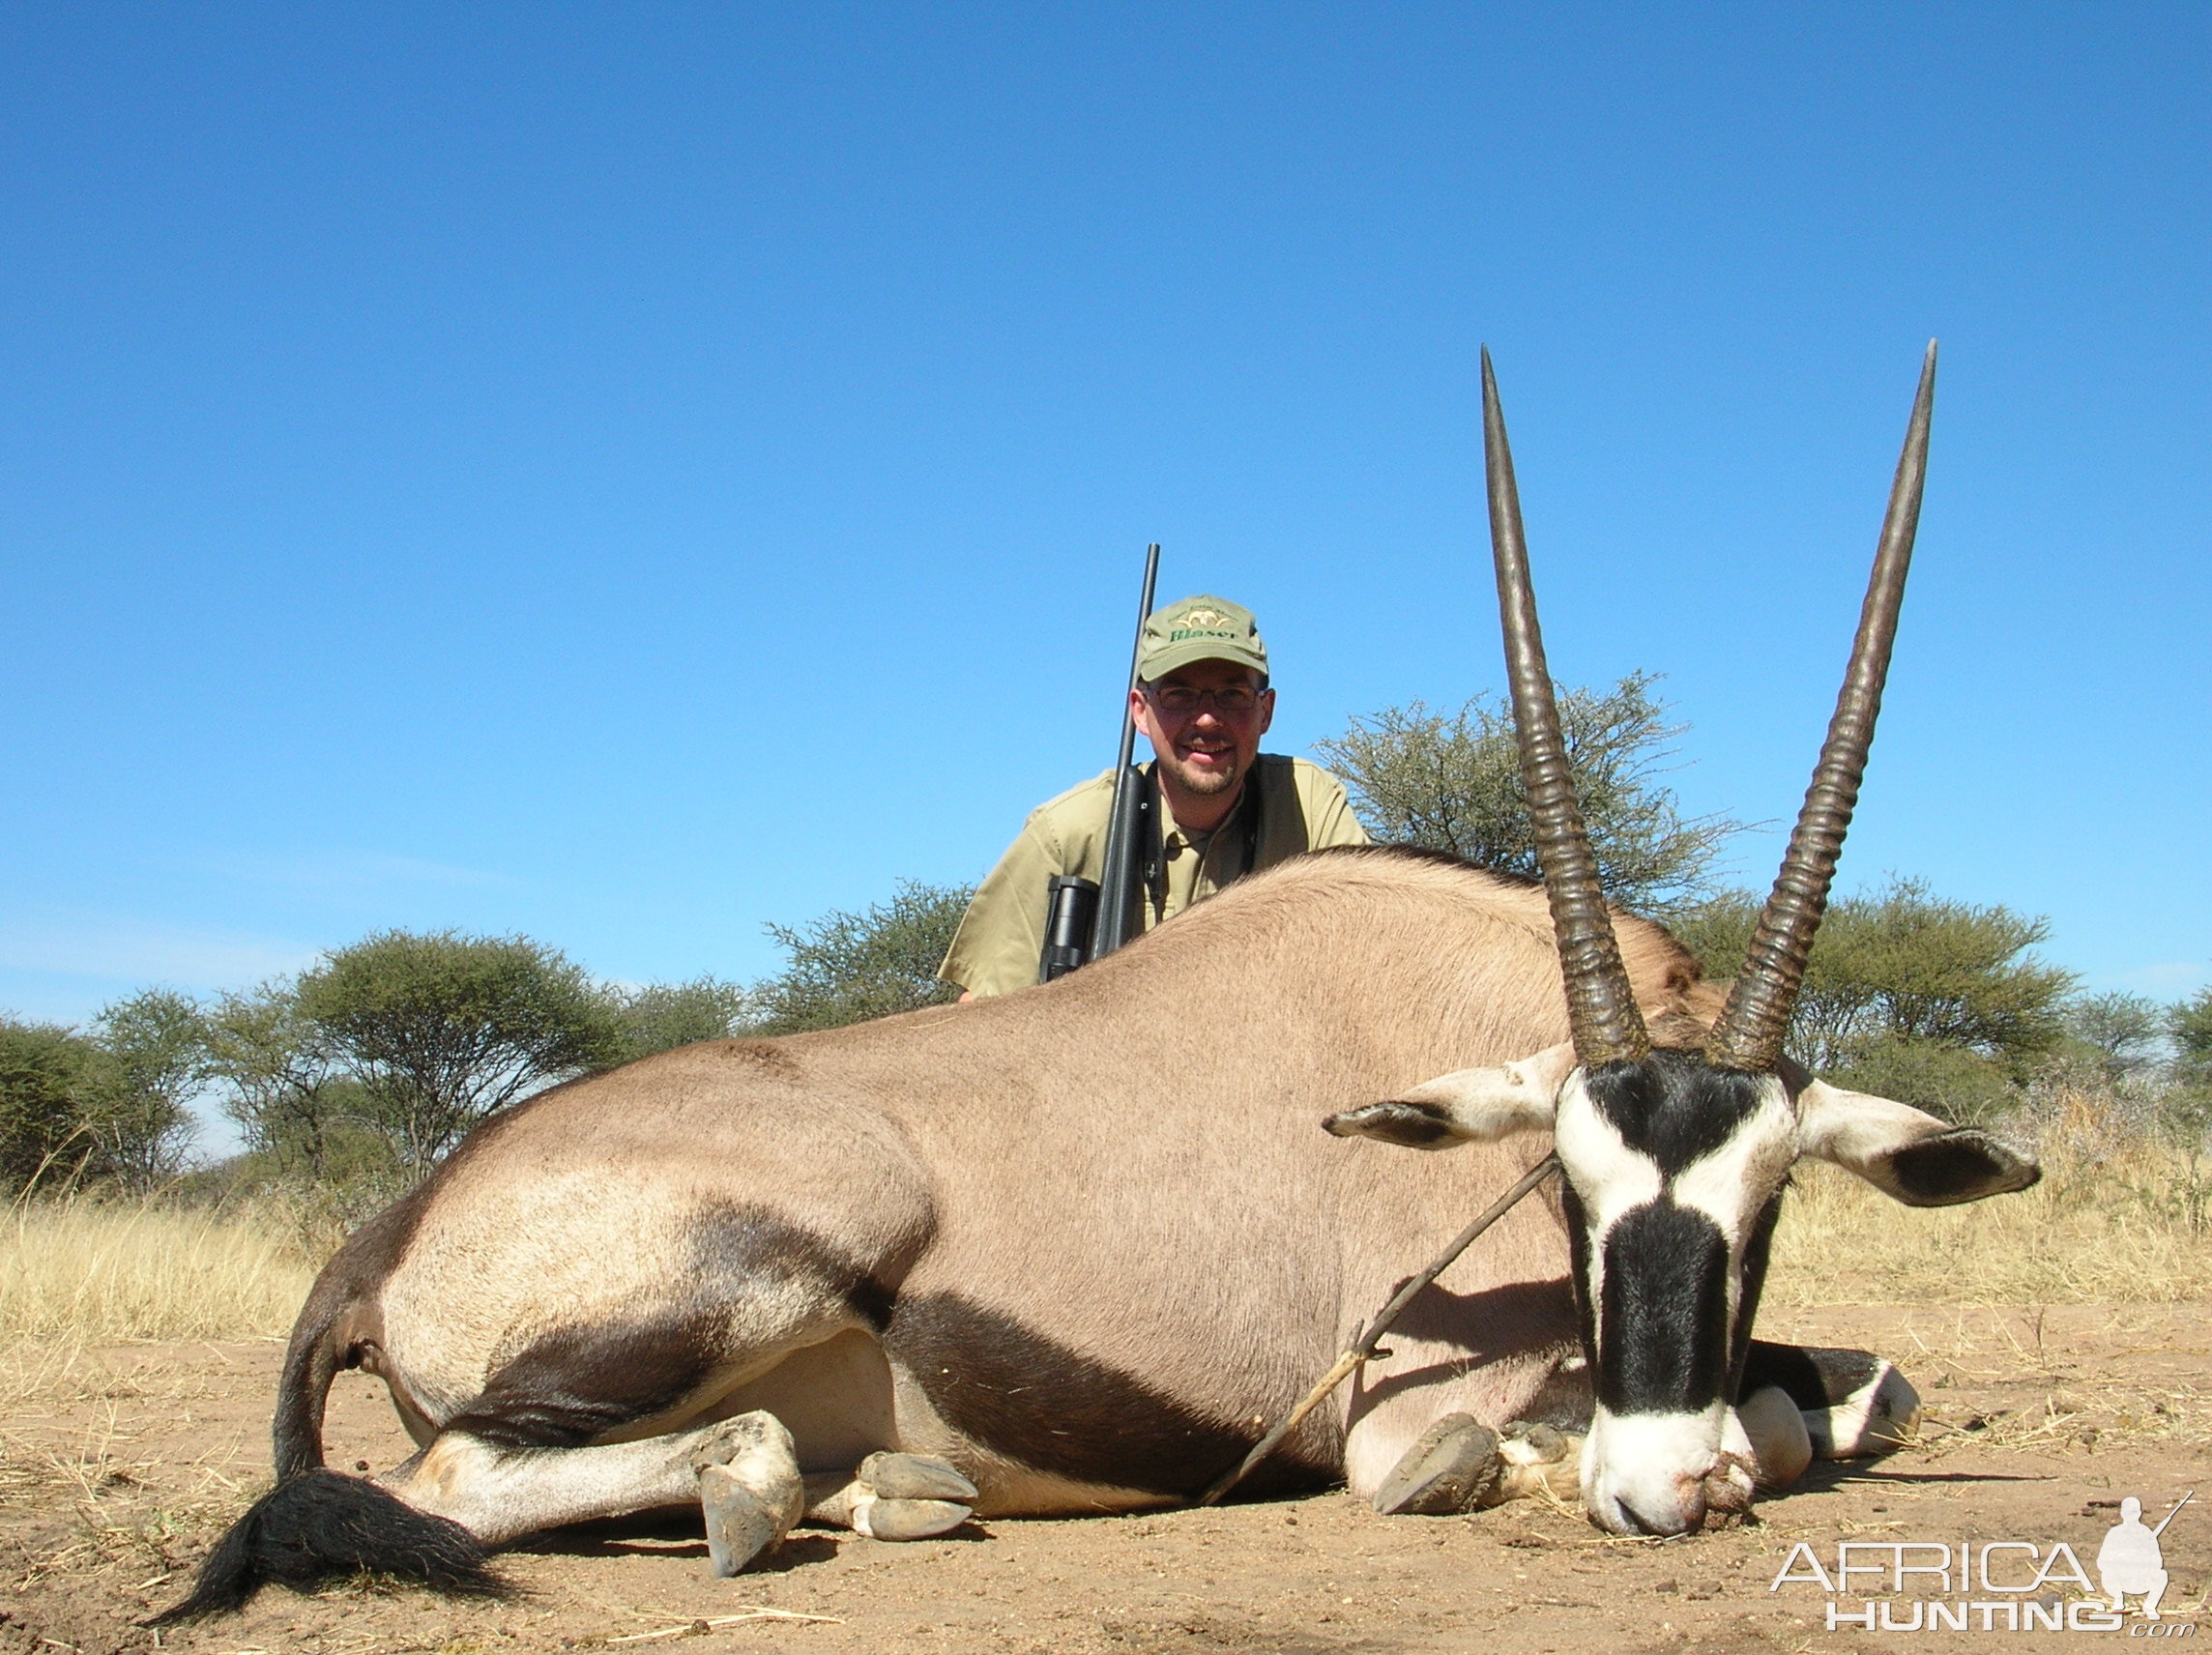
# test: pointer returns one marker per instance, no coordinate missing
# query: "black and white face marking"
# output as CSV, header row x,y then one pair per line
x,y
1674,1170
1675,1173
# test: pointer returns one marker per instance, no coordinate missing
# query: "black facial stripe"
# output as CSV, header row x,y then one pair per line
x,y
1663,1303
1014,1391
1579,1255
1672,1106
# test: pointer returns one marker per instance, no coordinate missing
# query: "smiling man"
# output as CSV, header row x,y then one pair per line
x,y
1222,808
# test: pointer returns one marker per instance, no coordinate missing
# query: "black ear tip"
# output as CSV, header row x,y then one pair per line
x,y
1409,1125
2013,1169
2026,1170
1963,1163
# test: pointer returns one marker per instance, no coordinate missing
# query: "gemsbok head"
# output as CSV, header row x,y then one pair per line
x,y
1675,1154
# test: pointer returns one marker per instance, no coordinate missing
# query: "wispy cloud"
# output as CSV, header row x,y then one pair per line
x,y
338,873
2163,981
135,951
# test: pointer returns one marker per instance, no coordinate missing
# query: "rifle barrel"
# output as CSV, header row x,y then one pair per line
x,y
2171,1515
1118,889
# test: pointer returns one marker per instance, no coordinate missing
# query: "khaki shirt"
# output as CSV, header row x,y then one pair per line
x,y
1301,807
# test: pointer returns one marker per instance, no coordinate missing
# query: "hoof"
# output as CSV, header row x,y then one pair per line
x,y
740,1526
915,1477
907,1519
749,1487
1448,1470
1539,1462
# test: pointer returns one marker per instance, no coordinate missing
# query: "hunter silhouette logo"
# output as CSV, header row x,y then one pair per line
x,y
2129,1561
1995,1585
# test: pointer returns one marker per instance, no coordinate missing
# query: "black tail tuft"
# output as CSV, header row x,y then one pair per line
x,y
320,1523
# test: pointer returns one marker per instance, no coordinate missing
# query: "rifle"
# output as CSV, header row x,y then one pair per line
x,y
1087,919
2171,1515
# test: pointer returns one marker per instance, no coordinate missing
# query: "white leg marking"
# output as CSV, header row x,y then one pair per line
x,y
1775,1429
1877,1419
498,1493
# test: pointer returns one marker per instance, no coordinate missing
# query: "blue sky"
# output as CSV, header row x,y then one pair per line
x,y
625,475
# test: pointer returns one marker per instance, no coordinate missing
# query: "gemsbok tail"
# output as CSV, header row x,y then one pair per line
x,y
317,1523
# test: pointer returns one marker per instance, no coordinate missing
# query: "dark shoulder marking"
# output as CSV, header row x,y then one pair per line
x,y
1022,1395
577,1384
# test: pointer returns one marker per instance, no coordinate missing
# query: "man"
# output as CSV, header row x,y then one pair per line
x,y
1222,807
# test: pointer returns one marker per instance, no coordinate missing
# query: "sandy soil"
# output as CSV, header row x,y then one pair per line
x,y
120,1465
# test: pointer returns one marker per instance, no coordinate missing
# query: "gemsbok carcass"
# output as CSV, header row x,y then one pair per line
x,y
1071,1251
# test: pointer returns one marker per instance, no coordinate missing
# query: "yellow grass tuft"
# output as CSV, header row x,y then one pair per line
x,y
80,1271
2110,1223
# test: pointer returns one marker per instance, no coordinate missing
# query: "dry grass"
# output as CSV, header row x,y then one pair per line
x,y
2109,1224
95,1299
77,1271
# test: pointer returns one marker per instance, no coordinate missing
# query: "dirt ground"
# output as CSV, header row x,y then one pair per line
x,y
118,1466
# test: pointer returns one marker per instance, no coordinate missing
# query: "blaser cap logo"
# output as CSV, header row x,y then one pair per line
x,y
1200,624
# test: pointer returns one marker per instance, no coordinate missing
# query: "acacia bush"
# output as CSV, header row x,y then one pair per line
x,y
440,1031
1910,995
849,966
105,1104
1451,781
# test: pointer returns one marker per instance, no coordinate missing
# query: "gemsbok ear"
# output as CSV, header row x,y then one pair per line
x,y
1471,1105
1907,1155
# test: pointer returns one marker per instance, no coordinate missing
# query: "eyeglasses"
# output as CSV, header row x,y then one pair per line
x,y
1228,698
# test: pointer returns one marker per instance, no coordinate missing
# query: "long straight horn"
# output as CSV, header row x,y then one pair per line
x,y
1601,1008
1749,1034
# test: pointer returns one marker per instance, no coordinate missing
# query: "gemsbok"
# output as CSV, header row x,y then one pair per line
x,y
1071,1251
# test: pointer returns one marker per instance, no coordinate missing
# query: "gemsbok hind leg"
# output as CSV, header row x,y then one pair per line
x,y
743,1472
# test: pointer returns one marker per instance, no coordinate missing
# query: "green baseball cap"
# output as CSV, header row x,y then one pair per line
x,y
1201,628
